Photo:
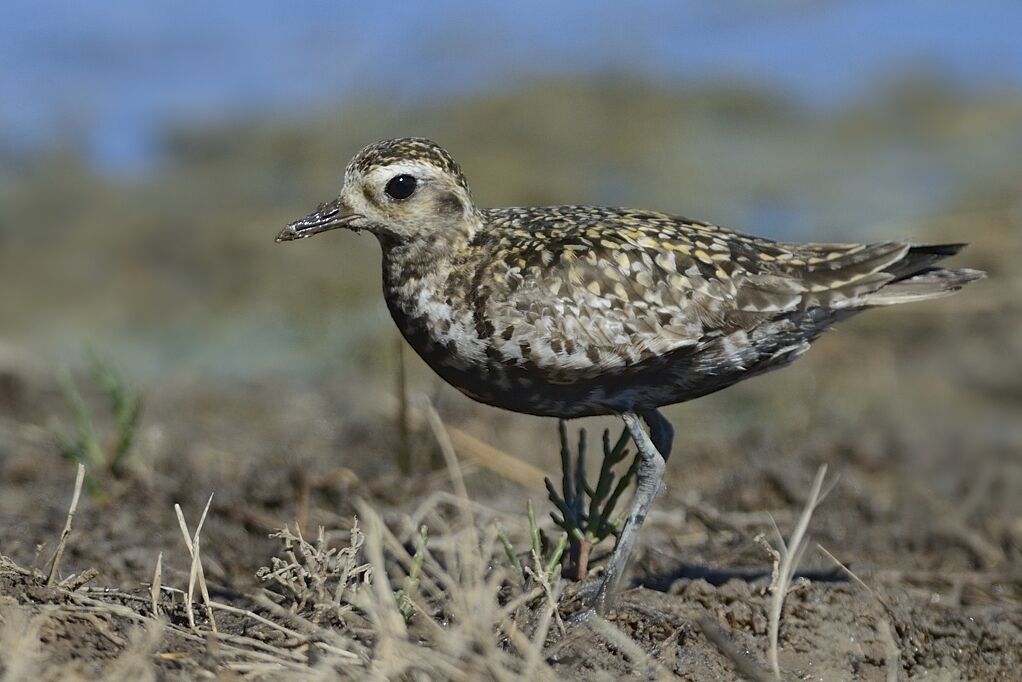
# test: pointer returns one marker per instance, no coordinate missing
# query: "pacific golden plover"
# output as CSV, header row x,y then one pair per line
x,y
573,311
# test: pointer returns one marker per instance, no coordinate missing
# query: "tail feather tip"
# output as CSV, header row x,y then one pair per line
x,y
927,284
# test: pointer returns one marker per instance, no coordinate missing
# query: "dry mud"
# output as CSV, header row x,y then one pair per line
x,y
940,595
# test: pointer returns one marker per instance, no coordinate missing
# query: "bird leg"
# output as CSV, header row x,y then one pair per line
x,y
648,480
660,432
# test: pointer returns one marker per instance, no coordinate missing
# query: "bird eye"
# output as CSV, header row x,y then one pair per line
x,y
400,187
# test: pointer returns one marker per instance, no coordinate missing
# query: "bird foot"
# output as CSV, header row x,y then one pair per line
x,y
582,617
591,595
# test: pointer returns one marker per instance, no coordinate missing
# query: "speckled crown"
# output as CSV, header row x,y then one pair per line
x,y
386,152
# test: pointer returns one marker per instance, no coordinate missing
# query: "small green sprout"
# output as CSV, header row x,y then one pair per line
x,y
587,514
82,444
543,570
411,586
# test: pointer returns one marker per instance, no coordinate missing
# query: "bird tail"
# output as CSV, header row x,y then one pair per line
x,y
915,278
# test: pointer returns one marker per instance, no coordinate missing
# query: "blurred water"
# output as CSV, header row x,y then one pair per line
x,y
107,75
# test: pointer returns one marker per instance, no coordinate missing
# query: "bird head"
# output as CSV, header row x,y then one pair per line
x,y
403,189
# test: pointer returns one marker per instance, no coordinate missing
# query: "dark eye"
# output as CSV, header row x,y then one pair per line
x,y
400,187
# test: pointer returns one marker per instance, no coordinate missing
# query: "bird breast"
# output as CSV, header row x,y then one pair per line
x,y
437,323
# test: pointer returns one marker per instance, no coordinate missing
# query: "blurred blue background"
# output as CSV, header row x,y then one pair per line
x,y
150,151
110,75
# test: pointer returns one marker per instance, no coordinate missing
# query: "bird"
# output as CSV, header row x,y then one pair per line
x,y
576,311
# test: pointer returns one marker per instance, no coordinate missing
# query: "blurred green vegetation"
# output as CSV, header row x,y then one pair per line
x,y
248,351
104,457
177,267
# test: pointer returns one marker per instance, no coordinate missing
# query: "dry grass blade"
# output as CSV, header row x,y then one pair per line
x,y
135,663
627,645
73,582
457,637
193,577
447,448
154,588
533,653
847,571
429,509
404,421
788,557
496,460
317,632
383,610
892,653
744,665
21,654
191,553
51,575
951,521
457,481
328,639
232,645
196,574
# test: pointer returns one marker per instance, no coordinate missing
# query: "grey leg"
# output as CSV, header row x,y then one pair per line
x,y
660,432
648,479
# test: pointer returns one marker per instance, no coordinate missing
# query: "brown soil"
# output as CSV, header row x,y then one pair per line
x,y
934,536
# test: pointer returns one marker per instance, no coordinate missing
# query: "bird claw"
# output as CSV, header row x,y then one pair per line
x,y
582,617
591,595
588,590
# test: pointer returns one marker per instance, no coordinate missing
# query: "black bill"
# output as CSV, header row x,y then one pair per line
x,y
328,216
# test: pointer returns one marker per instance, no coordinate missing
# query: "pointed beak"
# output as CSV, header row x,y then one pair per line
x,y
328,216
